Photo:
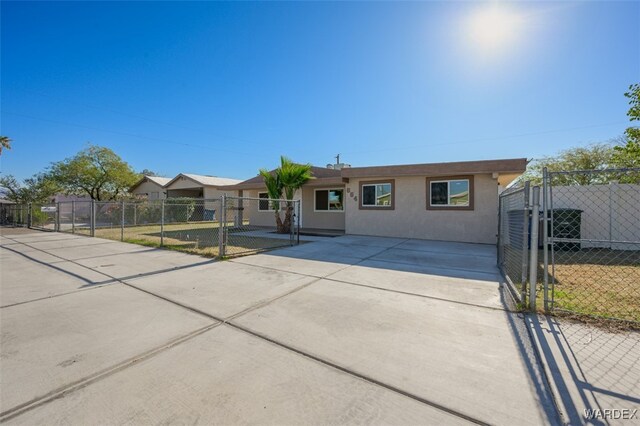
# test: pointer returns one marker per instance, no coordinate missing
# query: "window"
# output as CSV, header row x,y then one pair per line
x,y
263,204
450,193
377,195
331,200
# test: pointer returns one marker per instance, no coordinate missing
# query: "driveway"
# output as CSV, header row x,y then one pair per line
x,y
346,330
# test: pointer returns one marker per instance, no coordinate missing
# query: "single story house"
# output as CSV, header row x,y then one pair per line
x,y
150,187
197,186
455,201
321,201
438,201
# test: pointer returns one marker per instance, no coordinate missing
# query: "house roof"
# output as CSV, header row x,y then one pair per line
x,y
162,181
322,176
204,180
508,166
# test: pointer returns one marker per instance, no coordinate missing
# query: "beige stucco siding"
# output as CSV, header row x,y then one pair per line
x,y
150,189
254,215
411,219
322,219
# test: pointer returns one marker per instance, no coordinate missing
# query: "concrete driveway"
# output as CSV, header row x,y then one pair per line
x,y
347,330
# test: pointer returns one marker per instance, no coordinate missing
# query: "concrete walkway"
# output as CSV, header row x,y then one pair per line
x,y
349,330
594,373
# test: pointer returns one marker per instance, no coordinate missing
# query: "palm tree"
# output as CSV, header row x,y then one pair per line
x,y
285,181
5,142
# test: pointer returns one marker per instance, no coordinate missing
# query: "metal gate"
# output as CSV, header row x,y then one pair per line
x,y
592,243
513,239
43,216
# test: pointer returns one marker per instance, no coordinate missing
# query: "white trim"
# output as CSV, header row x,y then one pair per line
x,y
375,185
328,210
448,182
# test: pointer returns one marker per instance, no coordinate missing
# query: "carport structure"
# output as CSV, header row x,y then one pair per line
x,y
346,330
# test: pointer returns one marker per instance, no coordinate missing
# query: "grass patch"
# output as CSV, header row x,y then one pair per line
x,y
195,238
600,283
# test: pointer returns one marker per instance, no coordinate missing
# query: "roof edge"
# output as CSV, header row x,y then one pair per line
x,y
511,165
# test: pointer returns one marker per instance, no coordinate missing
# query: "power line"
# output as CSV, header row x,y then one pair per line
x,y
488,139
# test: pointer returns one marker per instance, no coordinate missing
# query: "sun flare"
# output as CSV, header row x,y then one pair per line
x,y
494,28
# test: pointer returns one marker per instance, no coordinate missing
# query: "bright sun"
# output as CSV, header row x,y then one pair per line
x,y
493,28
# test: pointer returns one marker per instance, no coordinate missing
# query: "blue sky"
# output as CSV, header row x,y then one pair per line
x,y
225,88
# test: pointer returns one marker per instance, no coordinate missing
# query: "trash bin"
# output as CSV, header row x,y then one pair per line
x,y
566,224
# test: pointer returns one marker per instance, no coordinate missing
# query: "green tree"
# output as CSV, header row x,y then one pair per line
x,y
37,189
633,132
627,155
597,156
147,172
95,171
283,182
5,143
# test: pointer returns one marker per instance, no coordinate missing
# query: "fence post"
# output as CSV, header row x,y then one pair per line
x,y
533,265
499,245
525,243
73,217
58,217
29,215
162,224
135,214
92,223
298,221
222,226
122,223
545,236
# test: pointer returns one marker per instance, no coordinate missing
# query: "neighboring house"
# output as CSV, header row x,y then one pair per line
x,y
150,187
198,186
440,201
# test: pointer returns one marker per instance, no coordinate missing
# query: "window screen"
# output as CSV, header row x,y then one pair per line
x,y
263,205
368,195
322,200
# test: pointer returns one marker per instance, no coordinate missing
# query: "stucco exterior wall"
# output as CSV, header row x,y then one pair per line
x,y
150,188
322,219
411,219
258,217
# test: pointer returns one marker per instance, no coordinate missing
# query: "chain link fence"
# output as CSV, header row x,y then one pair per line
x,y
513,239
251,224
593,243
221,227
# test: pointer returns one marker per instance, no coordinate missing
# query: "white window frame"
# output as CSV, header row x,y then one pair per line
x,y
328,210
376,206
448,182
269,208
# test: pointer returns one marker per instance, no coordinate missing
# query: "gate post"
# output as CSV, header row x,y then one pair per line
x,y
122,223
92,222
73,217
533,265
162,224
222,226
57,217
525,243
545,236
